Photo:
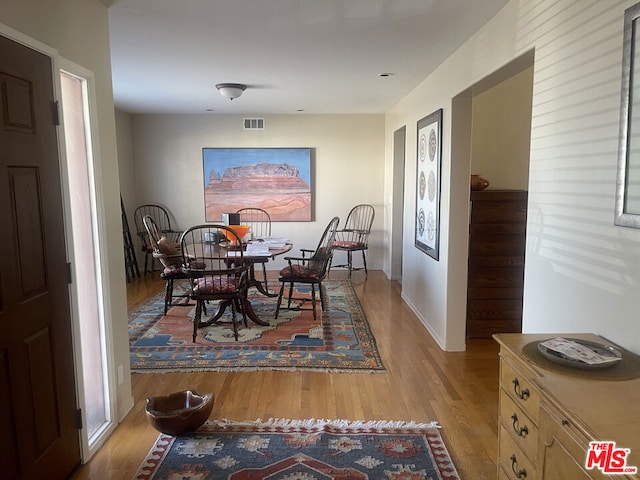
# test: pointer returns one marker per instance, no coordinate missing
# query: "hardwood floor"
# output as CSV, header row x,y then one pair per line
x,y
422,383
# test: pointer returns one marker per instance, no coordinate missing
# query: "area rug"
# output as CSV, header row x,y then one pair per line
x,y
302,450
339,341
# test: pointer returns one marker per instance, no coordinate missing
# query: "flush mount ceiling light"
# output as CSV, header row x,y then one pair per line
x,y
231,90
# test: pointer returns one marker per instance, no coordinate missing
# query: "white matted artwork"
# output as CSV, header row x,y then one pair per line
x,y
428,184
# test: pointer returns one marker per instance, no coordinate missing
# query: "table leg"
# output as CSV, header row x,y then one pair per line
x,y
254,282
248,310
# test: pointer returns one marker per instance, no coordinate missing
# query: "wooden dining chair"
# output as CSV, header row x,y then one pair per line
x,y
213,260
354,236
260,222
310,270
162,219
170,258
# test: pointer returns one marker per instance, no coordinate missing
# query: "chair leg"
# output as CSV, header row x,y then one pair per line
x,y
196,319
364,261
349,262
168,295
243,307
313,300
290,295
322,300
279,299
146,261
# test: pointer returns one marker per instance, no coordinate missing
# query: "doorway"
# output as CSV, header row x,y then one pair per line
x,y
491,128
397,220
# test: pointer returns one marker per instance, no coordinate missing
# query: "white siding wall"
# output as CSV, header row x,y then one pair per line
x,y
582,273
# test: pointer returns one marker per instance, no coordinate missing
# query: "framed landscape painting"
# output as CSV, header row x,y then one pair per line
x,y
428,184
277,180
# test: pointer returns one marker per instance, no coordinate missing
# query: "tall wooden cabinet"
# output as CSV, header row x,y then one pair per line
x,y
497,231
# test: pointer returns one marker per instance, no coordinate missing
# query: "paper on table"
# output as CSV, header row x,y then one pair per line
x,y
576,351
258,253
273,243
257,250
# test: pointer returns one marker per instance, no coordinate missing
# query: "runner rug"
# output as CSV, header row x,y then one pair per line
x,y
339,341
302,450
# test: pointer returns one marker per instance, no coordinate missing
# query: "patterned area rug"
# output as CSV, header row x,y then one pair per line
x,y
340,340
302,450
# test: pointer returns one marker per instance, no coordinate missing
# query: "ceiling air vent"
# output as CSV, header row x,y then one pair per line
x,y
253,123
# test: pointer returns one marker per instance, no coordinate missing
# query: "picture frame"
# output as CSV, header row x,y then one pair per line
x,y
627,204
278,180
428,184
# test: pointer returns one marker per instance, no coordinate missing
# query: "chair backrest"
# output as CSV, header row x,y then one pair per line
x,y
319,261
358,224
212,250
259,219
159,215
163,248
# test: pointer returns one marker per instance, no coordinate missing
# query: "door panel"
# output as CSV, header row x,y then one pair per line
x,y
39,437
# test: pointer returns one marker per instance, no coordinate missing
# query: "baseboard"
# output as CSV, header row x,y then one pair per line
x,y
125,408
441,342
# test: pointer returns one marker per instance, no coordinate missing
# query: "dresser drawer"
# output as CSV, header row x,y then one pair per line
x,y
513,460
563,447
502,475
521,390
519,425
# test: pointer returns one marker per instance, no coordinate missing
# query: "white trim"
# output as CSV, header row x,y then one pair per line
x,y
102,284
32,43
441,343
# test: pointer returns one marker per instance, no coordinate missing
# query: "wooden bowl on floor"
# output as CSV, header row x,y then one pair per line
x,y
179,412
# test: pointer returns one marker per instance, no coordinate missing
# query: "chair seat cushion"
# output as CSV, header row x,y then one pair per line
x,y
173,271
209,285
299,271
347,244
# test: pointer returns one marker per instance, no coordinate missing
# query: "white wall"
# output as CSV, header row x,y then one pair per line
x,y
581,271
501,132
78,30
125,168
349,165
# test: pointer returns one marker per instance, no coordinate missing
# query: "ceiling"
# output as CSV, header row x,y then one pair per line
x,y
311,56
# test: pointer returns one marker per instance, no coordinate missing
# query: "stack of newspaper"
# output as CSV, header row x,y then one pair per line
x,y
274,243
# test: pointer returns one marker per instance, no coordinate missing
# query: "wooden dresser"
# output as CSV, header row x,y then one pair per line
x,y
548,413
496,262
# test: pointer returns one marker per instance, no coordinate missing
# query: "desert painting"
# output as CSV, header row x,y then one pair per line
x,y
277,180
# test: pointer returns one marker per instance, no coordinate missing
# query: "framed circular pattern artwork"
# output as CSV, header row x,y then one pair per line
x,y
428,186
433,145
423,147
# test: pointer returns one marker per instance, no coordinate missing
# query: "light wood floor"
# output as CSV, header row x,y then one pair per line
x,y
422,383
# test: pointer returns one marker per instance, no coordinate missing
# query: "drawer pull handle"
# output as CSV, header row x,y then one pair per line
x,y
520,431
522,395
522,473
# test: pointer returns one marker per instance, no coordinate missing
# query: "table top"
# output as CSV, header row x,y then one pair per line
x,y
214,250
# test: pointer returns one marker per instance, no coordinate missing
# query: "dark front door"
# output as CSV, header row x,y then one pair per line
x,y
39,437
